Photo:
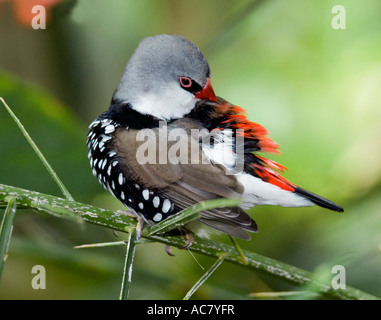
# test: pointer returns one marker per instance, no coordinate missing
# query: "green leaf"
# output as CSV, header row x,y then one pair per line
x,y
191,213
6,230
101,245
283,294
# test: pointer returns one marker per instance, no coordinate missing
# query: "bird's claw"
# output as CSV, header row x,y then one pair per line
x,y
189,240
139,228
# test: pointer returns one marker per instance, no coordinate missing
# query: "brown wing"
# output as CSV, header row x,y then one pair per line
x,y
170,159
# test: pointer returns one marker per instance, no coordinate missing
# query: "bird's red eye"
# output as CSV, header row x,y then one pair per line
x,y
185,82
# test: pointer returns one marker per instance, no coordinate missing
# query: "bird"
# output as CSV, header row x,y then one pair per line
x,y
167,142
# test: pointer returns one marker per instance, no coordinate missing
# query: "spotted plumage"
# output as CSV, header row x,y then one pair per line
x,y
201,147
108,166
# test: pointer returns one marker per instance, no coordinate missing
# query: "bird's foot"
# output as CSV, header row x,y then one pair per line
x,y
168,250
189,240
139,228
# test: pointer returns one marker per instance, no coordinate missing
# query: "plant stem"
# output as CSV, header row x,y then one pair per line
x,y
205,277
128,265
191,213
6,230
114,220
101,245
48,167
239,250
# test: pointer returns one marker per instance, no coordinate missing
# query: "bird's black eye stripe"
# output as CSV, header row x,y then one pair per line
x,y
190,85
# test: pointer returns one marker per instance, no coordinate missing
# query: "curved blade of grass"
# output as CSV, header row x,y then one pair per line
x,y
101,245
205,276
48,167
128,265
109,244
6,230
191,213
284,294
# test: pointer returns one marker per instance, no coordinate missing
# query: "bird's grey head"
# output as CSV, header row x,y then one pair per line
x,y
165,77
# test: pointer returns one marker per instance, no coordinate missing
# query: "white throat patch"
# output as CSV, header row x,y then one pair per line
x,y
171,103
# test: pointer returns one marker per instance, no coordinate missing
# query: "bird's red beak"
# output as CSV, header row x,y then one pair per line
x,y
207,93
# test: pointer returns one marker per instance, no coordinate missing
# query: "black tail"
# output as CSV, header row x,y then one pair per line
x,y
320,201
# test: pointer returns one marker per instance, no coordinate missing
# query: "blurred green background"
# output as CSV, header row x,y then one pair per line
x,y
316,89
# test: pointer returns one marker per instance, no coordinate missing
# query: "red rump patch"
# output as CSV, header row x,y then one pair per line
x,y
265,168
236,118
272,164
270,176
